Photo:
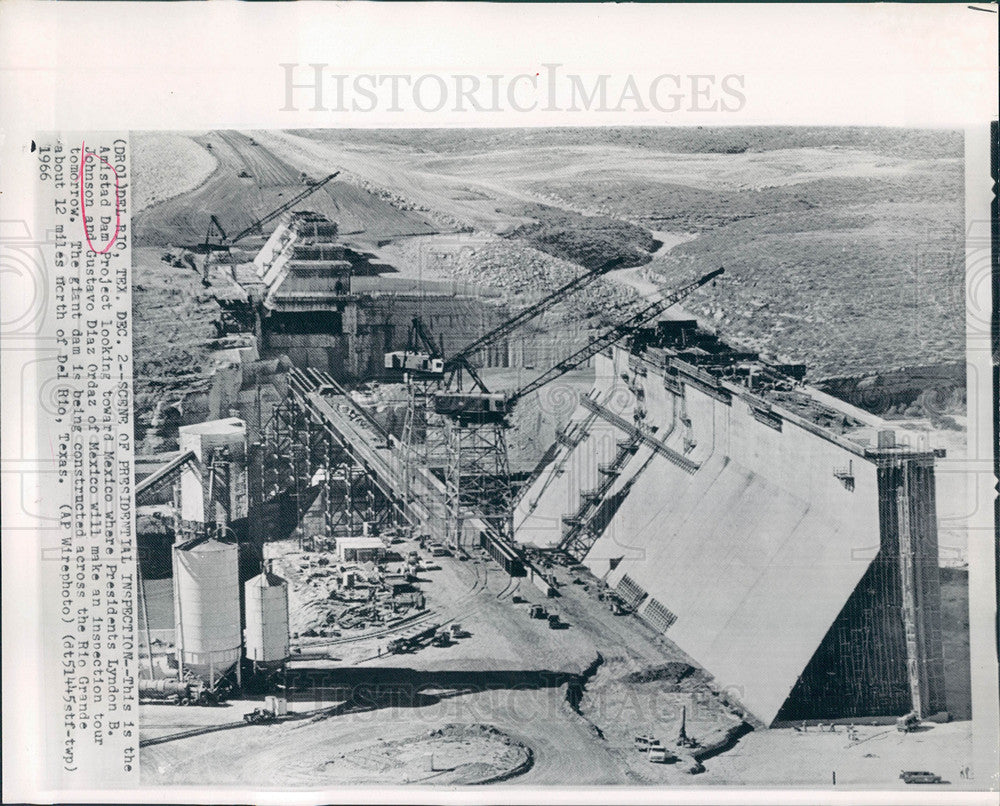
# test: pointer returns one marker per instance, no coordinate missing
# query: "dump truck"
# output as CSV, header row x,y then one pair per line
x,y
908,723
537,611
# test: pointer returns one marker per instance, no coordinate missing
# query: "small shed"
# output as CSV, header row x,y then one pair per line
x,y
360,549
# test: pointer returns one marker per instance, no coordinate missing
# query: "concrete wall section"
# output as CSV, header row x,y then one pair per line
x,y
747,562
556,492
753,574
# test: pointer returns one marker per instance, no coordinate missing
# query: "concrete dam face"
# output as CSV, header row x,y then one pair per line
x,y
779,538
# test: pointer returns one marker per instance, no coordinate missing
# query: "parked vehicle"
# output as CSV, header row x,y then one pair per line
x,y
920,777
657,754
259,716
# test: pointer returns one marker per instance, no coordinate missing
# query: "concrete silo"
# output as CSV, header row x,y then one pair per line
x,y
266,618
215,492
207,607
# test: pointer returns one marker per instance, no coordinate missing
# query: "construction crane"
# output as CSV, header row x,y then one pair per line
x,y
460,361
288,205
225,243
421,358
500,405
424,370
477,475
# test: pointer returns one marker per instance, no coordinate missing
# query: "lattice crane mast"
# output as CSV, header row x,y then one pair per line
x,y
613,335
499,405
461,361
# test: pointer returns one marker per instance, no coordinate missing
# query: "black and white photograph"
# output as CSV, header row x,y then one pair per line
x,y
552,457
485,402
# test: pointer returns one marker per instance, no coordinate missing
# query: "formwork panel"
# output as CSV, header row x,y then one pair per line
x,y
753,575
556,491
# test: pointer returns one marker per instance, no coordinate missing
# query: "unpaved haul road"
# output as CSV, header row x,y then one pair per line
x,y
636,278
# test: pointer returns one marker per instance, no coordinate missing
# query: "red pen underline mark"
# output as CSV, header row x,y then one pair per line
x,y
84,156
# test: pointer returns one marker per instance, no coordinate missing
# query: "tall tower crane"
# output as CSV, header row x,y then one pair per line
x,y
424,370
478,470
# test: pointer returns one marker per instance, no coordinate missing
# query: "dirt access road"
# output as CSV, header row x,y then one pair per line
x,y
249,182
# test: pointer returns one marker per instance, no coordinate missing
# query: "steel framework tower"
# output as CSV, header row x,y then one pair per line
x,y
477,476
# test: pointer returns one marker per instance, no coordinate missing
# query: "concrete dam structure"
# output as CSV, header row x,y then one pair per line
x,y
780,538
339,309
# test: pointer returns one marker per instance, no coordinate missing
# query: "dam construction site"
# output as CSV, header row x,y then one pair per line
x,y
452,474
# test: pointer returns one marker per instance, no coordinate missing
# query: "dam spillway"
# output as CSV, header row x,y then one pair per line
x,y
782,539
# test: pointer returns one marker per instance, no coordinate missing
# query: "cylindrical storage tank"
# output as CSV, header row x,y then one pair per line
x,y
267,618
207,605
216,438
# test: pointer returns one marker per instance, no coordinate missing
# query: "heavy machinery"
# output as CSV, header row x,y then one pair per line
x,y
461,361
422,367
225,243
477,475
908,723
259,716
422,358
176,692
683,740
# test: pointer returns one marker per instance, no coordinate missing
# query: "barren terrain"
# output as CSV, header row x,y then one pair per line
x,y
842,246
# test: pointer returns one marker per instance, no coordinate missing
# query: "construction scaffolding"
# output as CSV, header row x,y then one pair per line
x,y
477,477
305,459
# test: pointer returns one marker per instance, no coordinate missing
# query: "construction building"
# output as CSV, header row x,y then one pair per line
x,y
781,538
360,549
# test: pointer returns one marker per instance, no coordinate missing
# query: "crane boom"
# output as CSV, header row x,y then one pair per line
x,y
288,205
460,359
611,336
